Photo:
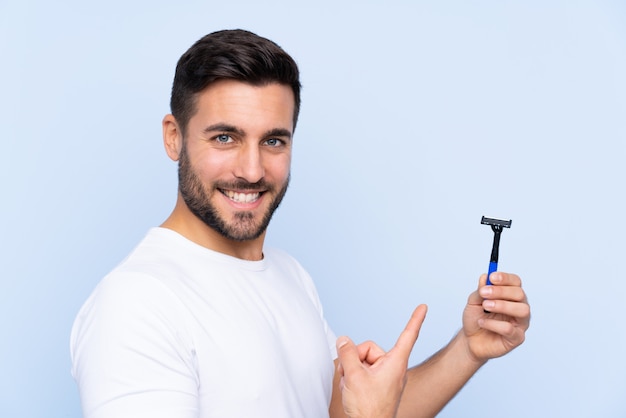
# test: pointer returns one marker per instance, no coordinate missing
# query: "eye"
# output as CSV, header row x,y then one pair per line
x,y
274,142
223,138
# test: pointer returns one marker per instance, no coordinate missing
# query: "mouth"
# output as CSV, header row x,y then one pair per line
x,y
241,197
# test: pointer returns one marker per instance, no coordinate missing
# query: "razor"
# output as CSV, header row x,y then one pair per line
x,y
496,227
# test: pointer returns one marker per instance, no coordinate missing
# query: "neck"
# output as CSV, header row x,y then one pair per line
x,y
183,221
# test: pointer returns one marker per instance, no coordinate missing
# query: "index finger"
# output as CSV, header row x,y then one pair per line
x,y
501,278
407,338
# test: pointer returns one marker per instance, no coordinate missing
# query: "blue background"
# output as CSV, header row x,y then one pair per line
x,y
418,118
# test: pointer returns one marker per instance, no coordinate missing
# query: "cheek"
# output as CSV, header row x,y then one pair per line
x,y
281,168
211,165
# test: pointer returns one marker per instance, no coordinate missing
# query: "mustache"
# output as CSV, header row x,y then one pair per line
x,y
260,185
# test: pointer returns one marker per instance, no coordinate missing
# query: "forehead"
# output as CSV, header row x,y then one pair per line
x,y
242,104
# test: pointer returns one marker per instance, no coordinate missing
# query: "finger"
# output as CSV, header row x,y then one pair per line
x,y
482,280
348,355
517,310
505,279
407,338
475,298
512,293
369,352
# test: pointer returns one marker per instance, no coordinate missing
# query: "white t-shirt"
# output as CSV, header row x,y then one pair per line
x,y
178,330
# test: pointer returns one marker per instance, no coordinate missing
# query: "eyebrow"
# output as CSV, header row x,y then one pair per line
x,y
224,127
278,132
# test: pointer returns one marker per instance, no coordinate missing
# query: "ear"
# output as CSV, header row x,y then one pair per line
x,y
172,137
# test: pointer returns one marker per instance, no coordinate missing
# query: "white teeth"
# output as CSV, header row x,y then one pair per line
x,y
241,197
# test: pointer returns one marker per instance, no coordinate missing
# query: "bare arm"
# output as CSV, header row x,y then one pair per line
x,y
432,384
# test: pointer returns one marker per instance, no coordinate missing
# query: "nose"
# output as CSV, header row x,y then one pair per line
x,y
249,164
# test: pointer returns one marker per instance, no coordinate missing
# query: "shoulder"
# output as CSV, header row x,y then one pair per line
x,y
124,302
132,299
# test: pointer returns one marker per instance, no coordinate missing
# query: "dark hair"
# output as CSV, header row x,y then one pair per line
x,y
230,54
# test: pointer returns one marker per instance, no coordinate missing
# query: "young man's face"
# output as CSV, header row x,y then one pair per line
x,y
235,162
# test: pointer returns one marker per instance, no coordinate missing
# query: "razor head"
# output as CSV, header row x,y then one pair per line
x,y
495,222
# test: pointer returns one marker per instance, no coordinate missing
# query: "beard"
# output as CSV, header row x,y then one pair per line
x,y
244,226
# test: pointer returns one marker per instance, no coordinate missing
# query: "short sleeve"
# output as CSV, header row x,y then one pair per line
x,y
130,354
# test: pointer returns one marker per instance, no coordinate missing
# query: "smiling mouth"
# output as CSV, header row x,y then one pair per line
x,y
240,197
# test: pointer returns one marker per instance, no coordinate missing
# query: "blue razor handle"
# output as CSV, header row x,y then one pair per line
x,y
493,266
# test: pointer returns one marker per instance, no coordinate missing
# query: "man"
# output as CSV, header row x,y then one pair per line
x,y
202,320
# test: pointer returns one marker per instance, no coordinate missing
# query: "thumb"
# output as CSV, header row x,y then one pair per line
x,y
348,354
